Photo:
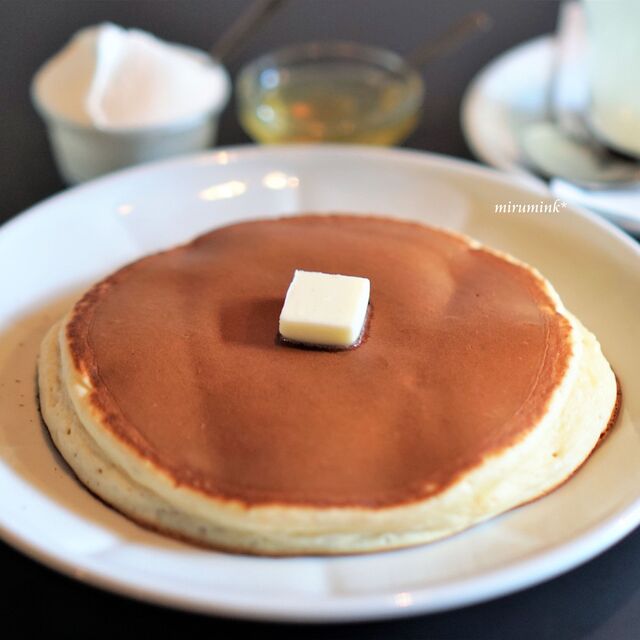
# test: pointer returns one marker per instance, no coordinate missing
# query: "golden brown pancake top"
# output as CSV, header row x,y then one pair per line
x,y
462,353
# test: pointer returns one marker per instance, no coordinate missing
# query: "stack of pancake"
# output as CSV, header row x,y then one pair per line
x,y
168,393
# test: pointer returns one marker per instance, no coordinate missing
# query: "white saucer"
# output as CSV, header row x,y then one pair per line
x,y
51,252
511,91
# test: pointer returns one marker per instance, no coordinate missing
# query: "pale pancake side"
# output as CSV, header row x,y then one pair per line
x,y
577,417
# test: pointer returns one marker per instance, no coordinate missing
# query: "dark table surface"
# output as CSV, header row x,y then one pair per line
x,y
598,600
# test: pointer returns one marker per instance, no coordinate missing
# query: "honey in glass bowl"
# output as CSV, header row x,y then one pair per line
x,y
329,92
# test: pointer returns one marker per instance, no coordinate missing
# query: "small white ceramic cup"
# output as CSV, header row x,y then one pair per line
x,y
613,29
82,152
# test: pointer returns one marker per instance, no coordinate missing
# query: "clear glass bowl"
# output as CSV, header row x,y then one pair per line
x,y
329,92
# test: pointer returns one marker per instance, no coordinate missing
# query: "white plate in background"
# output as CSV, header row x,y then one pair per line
x,y
512,91
54,250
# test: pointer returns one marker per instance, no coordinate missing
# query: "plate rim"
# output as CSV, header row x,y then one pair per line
x,y
473,95
366,606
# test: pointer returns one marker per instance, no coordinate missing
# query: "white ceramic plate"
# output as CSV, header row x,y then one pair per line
x,y
510,92
54,250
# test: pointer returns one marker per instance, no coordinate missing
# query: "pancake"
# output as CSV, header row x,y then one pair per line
x,y
473,391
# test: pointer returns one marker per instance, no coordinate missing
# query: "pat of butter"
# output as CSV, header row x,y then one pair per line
x,y
324,309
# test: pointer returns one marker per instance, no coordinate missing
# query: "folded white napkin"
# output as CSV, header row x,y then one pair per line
x,y
115,78
140,80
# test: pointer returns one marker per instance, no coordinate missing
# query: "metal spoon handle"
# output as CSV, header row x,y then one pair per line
x,y
248,21
451,38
